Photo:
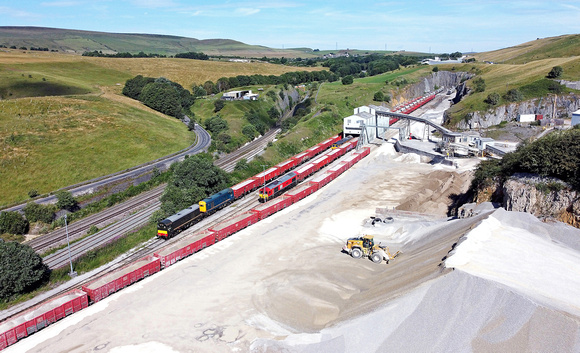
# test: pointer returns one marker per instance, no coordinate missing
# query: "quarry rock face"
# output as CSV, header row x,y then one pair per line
x,y
560,107
570,84
447,79
542,197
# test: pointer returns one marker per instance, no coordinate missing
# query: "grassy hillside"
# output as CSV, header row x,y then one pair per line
x,y
65,40
336,101
64,120
529,79
539,49
51,142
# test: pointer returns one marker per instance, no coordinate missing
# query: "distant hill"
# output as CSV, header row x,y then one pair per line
x,y
76,41
542,48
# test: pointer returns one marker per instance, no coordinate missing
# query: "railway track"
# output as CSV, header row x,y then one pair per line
x,y
248,152
117,230
101,219
126,225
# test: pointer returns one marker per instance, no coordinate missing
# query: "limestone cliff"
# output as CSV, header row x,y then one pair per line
x,y
545,198
447,79
560,107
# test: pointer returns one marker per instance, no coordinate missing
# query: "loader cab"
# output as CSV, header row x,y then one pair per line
x,y
368,242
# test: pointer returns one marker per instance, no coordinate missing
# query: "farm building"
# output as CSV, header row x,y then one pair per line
x,y
240,95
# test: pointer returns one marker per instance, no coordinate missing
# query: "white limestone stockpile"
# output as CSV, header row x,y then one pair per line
x,y
530,264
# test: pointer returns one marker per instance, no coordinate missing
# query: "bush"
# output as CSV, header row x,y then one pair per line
x,y
273,113
249,131
216,124
13,222
479,84
379,96
435,69
163,97
224,138
219,105
33,193
157,216
191,125
492,99
66,201
556,72
513,95
555,87
199,91
192,180
347,80
35,212
21,270
242,164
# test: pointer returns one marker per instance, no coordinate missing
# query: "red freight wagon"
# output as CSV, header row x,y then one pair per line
x,y
301,191
185,247
245,187
41,316
332,175
234,224
337,169
266,175
266,209
334,154
322,180
314,150
320,162
363,152
121,278
350,160
327,143
286,165
305,171
347,146
301,158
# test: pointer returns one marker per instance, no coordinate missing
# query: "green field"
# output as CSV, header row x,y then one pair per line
x,y
63,119
51,142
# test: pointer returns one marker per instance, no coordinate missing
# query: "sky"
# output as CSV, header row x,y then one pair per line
x,y
436,26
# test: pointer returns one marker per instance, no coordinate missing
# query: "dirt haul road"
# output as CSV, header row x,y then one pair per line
x,y
282,276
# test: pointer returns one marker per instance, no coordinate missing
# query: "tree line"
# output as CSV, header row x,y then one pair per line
x,y
369,65
141,54
161,94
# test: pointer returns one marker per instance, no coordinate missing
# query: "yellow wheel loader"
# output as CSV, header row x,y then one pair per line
x,y
365,247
